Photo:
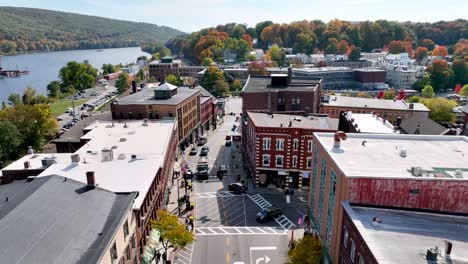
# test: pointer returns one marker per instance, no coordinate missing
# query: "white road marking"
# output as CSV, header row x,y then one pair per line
x,y
283,221
202,231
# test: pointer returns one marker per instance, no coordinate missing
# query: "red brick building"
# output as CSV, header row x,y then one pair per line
x,y
281,93
389,170
277,147
208,108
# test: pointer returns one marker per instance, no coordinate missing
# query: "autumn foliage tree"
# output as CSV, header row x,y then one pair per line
x,y
342,47
308,250
440,51
257,68
395,47
354,53
421,53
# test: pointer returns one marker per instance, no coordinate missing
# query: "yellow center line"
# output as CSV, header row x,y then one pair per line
x,y
228,257
228,241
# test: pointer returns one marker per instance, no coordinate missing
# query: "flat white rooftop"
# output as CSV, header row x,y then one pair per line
x,y
38,161
373,103
379,155
404,237
148,143
369,123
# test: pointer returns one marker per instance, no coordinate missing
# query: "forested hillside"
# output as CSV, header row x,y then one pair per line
x,y
29,29
308,37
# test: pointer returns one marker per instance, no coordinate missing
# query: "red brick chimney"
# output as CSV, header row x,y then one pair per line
x,y
91,180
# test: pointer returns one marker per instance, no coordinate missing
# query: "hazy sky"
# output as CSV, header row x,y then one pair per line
x,y
193,15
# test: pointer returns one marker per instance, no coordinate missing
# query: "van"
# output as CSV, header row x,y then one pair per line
x,y
202,169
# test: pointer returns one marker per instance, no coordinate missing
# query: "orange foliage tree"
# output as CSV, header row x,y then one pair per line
x,y
342,47
248,38
440,51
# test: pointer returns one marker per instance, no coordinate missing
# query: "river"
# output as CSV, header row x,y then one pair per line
x,y
44,67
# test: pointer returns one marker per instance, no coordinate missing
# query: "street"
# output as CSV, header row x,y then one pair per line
x,y
226,230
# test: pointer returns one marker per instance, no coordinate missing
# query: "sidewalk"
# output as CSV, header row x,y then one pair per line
x,y
172,204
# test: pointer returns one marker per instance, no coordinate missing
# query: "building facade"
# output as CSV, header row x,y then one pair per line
x,y
169,65
389,170
280,93
277,147
387,109
162,102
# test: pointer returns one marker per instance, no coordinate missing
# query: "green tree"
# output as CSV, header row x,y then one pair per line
x,y
108,68
419,84
429,44
427,92
214,81
174,80
79,75
257,68
236,86
389,94
308,250
355,53
53,89
395,47
173,233
305,43
28,95
414,99
122,83
4,105
441,75
143,57
250,57
10,139
151,79
207,62
277,55
14,99
331,48
140,75
460,71
464,91
440,109
242,49
34,123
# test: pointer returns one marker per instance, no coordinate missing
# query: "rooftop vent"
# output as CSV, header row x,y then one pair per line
x,y
403,153
30,150
432,253
298,119
121,156
122,139
416,171
340,135
458,174
27,164
376,221
75,158
448,248
145,122
90,179
134,156
46,162
107,154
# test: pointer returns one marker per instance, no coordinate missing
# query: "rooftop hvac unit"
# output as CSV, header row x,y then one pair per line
x,y
416,171
459,174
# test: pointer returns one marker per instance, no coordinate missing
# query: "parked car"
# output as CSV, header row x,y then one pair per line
x,y
202,141
228,143
204,151
223,169
193,151
268,214
94,94
237,187
69,110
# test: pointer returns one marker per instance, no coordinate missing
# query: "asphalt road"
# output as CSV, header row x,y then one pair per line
x,y
225,226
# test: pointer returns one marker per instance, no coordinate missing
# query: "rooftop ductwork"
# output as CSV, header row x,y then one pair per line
x,y
340,135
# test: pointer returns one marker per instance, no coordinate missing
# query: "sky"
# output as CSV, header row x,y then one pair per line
x,y
189,16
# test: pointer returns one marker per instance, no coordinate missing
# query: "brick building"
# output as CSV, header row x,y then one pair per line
x,y
208,108
57,220
131,156
161,102
388,109
169,65
281,92
389,170
377,235
277,148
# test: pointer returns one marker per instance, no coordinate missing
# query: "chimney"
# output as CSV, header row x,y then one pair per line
x,y
448,248
134,86
27,165
90,179
340,135
30,150
403,153
75,158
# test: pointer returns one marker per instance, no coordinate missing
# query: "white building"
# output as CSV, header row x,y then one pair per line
x,y
304,58
400,59
403,77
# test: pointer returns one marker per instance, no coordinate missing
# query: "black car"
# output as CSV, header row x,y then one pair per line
x,y
223,169
237,188
204,151
268,214
228,143
193,152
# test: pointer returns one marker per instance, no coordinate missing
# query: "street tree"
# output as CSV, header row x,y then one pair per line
x,y
427,92
122,83
307,250
464,91
140,75
440,109
173,232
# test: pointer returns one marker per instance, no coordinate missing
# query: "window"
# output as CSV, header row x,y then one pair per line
x,y
266,160
171,114
295,144
345,237
127,252
361,259
294,161
279,144
279,161
353,251
125,229
309,163
113,252
133,241
309,145
266,143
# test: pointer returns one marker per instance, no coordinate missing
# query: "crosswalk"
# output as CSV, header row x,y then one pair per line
x,y
260,201
240,230
184,256
215,194
284,222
